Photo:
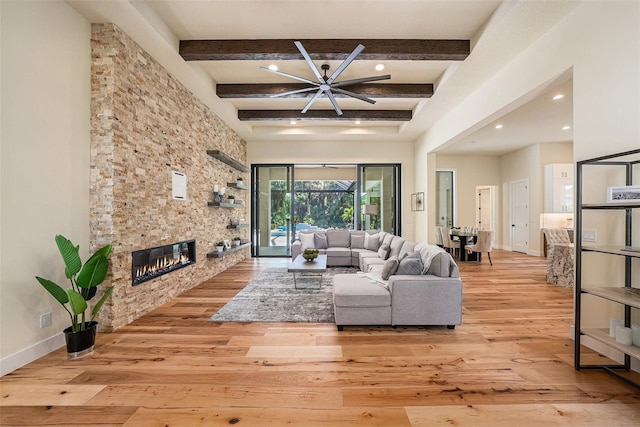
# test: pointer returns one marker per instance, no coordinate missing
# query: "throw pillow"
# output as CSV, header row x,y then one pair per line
x,y
390,267
320,240
307,240
357,241
441,265
383,251
371,242
410,264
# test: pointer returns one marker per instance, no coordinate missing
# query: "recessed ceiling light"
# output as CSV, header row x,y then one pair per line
x,y
558,96
293,122
566,127
357,122
273,67
498,126
379,67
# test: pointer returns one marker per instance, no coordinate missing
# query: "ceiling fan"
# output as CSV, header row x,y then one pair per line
x,y
327,84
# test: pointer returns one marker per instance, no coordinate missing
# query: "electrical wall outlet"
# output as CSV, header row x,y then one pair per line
x,y
45,319
590,236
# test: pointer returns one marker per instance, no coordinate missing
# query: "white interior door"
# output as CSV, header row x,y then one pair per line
x,y
484,208
520,216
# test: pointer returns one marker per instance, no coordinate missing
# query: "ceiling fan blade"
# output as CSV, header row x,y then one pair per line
x,y
361,80
308,89
353,95
345,63
334,102
312,100
309,61
291,76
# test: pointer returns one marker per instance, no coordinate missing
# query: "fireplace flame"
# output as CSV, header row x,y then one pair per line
x,y
160,264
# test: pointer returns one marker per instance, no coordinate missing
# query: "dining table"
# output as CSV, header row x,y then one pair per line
x,y
465,238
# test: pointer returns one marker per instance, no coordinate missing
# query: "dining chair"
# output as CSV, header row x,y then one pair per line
x,y
484,243
449,244
439,241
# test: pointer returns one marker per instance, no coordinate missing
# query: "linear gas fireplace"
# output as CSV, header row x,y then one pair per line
x,y
153,262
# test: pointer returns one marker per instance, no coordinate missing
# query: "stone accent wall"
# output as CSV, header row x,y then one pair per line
x,y
144,125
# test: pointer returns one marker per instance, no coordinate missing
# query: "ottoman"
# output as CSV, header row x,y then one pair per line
x,y
357,300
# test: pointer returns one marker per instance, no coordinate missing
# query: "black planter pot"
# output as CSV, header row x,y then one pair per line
x,y
80,343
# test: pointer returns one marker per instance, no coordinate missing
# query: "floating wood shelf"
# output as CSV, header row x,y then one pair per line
x,y
237,186
217,154
225,205
232,226
226,252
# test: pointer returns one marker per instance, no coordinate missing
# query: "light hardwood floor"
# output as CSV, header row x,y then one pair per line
x,y
508,364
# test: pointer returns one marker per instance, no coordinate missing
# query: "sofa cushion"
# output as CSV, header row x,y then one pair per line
x,y
387,239
428,253
411,264
390,267
338,238
407,247
338,252
357,240
440,265
350,290
371,242
396,245
383,251
307,240
320,240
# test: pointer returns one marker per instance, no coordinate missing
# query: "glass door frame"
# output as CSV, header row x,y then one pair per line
x,y
255,209
396,201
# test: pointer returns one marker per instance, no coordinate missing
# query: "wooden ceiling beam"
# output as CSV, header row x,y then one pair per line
x,y
326,115
325,49
372,90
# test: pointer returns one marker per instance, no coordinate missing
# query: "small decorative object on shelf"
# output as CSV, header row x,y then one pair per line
x,y
220,246
240,181
236,241
310,254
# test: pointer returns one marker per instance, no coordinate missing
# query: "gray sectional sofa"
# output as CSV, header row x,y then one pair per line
x,y
400,282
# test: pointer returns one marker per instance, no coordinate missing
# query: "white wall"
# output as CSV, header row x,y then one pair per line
x,y
45,166
599,42
342,152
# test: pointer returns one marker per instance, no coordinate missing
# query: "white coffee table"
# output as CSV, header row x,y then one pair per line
x,y
302,266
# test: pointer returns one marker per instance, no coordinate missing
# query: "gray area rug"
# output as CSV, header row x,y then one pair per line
x,y
271,297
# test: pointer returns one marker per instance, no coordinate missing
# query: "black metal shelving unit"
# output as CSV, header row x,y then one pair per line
x,y
627,293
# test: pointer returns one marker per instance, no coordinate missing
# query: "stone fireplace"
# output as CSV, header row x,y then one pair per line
x,y
144,126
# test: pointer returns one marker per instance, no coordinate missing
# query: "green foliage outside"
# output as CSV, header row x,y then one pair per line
x,y
324,204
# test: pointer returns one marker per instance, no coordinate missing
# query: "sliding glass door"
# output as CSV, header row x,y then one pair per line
x,y
320,197
379,198
271,206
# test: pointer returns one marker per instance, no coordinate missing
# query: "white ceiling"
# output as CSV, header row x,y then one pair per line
x,y
497,30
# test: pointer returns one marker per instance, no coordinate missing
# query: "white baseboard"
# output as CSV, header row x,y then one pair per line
x,y
605,350
29,354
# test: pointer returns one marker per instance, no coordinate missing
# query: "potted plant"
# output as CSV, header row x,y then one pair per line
x,y
236,241
84,278
231,198
240,181
220,246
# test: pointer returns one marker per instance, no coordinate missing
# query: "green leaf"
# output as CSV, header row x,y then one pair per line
x,y
55,290
103,251
70,256
93,272
76,302
88,293
98,306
